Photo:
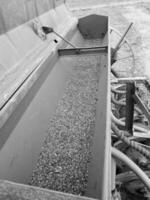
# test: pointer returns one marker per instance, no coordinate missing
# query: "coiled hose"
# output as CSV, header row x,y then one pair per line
x,y
133,144
117,102
121,156
122,124
118,91
122,103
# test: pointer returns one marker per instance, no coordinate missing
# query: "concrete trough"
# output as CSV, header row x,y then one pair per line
x,y
33,79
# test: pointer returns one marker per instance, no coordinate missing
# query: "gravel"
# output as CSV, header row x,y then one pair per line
x,y
63,162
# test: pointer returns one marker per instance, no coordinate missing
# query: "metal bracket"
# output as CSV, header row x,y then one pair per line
x,y
114,51
128,80
84,50
130,91
142,106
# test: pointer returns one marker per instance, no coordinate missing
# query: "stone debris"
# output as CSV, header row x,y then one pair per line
x,y
63,161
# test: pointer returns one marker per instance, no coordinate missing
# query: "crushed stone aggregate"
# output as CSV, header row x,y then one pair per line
x,y
63,162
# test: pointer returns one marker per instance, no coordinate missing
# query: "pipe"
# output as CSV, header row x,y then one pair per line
x,y
138,140
125,40
125,80
116,74
121,156
122,38
122,103
142,106
130,91
138,110
122,124
133,144
117,102
118,91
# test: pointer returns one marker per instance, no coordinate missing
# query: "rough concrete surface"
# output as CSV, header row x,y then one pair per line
x,y
12,191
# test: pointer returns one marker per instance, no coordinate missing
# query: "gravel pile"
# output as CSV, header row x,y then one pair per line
x,y
63,161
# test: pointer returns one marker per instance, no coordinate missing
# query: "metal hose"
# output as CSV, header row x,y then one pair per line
x,y
138,110
117,102
117,91
122,124
133,144
115,73
121,156
122,103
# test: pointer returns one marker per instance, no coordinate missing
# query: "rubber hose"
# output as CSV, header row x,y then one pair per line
x,y
117,91
122,124
133,144
116,74
117,102
124,104
121,156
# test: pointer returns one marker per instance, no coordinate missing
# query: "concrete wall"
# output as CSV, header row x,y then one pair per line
x,y
16,12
